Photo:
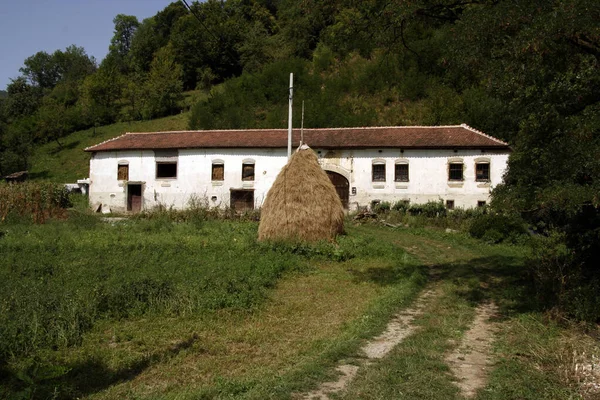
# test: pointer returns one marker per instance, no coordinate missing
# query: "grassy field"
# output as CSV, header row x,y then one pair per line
x,y
68,163
152,308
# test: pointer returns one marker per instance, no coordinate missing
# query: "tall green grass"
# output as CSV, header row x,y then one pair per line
x,y
56,280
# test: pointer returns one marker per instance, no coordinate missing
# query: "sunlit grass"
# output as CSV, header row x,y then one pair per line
x,y
69,163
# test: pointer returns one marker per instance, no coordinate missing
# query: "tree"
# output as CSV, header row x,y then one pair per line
x,y
211,43
145,43
99,95
23,99
163,87
54,121
16,145
542,61
45,70
41,70
120,44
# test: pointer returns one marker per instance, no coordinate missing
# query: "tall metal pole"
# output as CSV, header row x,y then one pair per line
x,y
290,116
302,126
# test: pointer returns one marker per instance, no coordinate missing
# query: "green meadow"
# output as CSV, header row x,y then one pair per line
x,y
186,305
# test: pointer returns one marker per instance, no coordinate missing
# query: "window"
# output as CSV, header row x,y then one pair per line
x,y
481,203
401,172
455,172
378,172
482,172
123,172
218,171
248,171
166,164
166,170
450,204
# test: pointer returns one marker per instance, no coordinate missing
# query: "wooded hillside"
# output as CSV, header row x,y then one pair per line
x,y
523,71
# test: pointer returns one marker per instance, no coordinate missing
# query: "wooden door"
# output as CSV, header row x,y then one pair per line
x,y
134,198
342,187
242,200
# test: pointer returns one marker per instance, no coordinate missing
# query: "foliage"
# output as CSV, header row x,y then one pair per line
x,y
495,228
431,209
163,89
380,206
37,201
45,70
120,44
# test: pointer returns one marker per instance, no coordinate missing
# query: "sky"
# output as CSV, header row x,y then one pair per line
x,y
29,26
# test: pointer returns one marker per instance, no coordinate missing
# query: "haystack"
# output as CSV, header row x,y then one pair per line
x,y
302,204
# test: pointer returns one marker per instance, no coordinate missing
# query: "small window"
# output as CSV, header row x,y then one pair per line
x,y
401,173
455,172
248,171
218,171
482,172
378,172
450,204
166,170
166,164
123,172
481,203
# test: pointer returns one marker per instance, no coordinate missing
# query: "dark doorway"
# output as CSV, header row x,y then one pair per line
x,y
342,187
134,197
242,200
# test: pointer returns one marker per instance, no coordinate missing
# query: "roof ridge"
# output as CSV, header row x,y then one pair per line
x,y
106,141
306,129
483,134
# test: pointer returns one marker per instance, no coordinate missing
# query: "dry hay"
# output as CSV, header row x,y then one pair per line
x,y
302,204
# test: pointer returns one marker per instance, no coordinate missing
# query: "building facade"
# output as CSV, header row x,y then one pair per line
x,y
456,164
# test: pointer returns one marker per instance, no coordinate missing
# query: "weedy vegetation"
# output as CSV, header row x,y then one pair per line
x,y
187,304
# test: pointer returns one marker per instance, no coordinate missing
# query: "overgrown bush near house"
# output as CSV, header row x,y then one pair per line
x,y
401,206
38,201
497,228
560,278
380,207
431,209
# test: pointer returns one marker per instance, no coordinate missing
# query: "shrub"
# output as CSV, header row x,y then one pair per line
x,y
431,209
559,278
39,201
496,228
401,206
380,207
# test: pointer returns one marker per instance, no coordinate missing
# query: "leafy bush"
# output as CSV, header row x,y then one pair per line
x,y
401,206
496,228
380,207
560,279
431,209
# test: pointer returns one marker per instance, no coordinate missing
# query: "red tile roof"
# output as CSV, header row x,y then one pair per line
x,y
422,137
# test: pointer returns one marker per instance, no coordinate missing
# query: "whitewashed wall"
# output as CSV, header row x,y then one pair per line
x,y
428,176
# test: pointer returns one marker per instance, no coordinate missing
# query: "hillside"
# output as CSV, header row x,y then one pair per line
x,y
69,163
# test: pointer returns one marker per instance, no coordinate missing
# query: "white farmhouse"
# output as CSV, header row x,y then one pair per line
x,y
137,171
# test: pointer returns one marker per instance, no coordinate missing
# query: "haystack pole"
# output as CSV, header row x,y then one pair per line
x,y
302,204
290,116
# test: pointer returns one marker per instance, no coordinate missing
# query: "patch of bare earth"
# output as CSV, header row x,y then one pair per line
x,y
471,360
399,328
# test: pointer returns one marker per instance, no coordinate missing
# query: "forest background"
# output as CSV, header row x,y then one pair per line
x,y
524,71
